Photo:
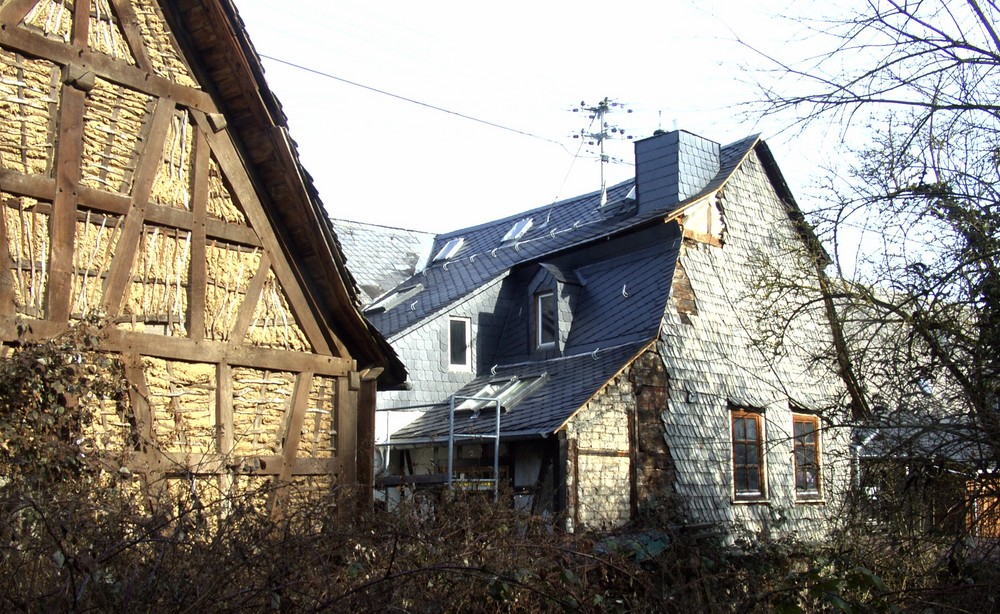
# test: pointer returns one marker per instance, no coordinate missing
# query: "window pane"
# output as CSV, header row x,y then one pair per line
x,y
546,318
458,340
747,454
806,447
739,429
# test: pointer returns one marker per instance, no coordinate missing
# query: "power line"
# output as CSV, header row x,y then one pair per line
x,y
416,102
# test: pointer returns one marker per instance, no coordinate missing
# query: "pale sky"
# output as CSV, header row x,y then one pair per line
x,y
522,66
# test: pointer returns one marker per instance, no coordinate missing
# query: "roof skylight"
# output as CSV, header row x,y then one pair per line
x,y
508,393
518,230
394,298
450,249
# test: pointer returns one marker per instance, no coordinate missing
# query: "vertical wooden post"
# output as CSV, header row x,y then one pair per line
x,y
572,491
561,485
62,225
7,307
633,456
199,206
366,443
81,24
347,433
225,438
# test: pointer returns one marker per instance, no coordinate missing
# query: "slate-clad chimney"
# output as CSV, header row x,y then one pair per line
x,y
671,167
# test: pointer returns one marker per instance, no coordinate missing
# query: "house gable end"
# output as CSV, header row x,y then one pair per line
x,y
154,211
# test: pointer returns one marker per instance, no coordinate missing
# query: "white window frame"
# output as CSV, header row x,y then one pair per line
x,y
467,365
539,320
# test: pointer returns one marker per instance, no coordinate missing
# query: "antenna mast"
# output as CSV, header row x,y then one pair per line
x,y
604,131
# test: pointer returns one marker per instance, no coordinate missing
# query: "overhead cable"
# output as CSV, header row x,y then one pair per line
x,y
411,100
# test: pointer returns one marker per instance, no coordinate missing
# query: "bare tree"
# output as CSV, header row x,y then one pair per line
x,y
914,223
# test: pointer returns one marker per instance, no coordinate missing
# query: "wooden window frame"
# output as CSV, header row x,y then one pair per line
x,y
807,471
540,344
467,324
741,470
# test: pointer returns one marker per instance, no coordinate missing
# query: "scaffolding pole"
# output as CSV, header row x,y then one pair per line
x,y
495,436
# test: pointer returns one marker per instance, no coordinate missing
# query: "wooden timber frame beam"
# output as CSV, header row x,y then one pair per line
x,y
62,225
103,66
366,404
243,132
179,348
213,29
89,199
169,95
290,439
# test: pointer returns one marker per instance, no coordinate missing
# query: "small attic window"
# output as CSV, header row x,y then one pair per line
x,y
517,231
450,249
545,320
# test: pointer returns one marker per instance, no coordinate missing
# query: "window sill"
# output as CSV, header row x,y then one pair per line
x,y
751,501
806,499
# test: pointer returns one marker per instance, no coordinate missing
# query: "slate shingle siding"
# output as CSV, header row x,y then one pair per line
x,y
425,348
715,348
380,257
714,363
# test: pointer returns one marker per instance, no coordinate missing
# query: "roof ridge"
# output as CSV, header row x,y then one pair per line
x,y
523,214
341,220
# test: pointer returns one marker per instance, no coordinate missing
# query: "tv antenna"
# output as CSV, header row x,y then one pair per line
x,y
598,112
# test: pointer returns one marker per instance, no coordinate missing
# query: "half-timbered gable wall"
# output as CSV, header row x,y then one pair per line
x,y
127,195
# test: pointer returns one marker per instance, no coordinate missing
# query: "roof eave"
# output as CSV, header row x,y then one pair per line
x,y
274,165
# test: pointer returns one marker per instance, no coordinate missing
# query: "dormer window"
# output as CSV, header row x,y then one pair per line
x,y
517,231
545,320
450,249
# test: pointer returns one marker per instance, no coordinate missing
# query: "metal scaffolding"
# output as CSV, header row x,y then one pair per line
x,y
475,483
456,436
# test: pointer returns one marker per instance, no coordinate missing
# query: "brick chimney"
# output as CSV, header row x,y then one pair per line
x,y
671,167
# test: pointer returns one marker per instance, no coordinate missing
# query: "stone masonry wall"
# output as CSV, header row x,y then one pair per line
x,y
655,470
599,465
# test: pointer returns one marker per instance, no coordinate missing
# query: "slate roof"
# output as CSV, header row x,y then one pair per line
x,y
380,257
572,380
610,327
567,224
619,307
956,441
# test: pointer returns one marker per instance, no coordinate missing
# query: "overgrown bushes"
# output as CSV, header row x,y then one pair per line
x,y
76,535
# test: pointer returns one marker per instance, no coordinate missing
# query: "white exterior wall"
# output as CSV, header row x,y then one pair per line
x,y
713,364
